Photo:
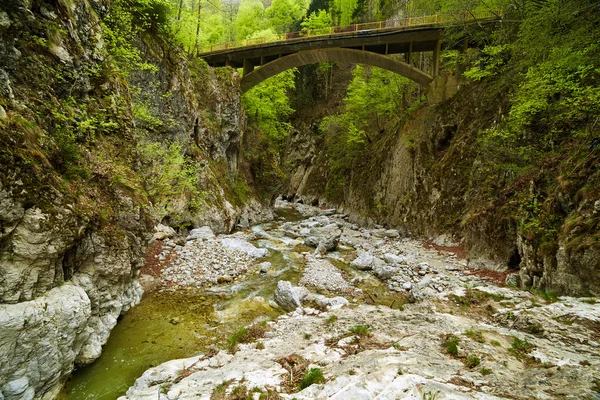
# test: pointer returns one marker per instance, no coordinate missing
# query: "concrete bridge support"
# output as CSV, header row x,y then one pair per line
x,y
252,77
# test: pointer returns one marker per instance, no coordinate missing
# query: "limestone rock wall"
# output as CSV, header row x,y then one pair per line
x,y
428,185
73,232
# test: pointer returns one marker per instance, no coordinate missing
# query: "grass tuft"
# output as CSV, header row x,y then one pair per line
x,y
314,375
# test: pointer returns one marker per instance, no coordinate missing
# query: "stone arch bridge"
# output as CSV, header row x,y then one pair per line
x,y
369,44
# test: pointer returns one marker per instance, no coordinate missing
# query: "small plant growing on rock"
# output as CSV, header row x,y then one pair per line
x,y
307,336
485,371
495,343
247,335
361,330
398,347
314,375
451,345
520,348
430,395
475,335
472,361
400,372
260,346
239,392
165,387
332,318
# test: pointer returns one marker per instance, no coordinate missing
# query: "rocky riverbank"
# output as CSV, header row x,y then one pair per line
x,y
378,315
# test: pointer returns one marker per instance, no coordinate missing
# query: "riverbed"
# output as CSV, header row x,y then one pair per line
x,y
410,296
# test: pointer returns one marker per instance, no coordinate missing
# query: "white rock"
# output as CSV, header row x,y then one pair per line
x,y
363,261
244,247
202,233
286,297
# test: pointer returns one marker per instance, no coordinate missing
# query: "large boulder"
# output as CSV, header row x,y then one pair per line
x,y
244,247
327,236
286,297
162,232
40,340
364,261
203,233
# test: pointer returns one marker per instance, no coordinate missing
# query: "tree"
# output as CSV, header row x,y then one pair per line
x,y
250,18
284,14
267,105
317,20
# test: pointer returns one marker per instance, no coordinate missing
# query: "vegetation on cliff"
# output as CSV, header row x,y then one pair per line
x,y
510,162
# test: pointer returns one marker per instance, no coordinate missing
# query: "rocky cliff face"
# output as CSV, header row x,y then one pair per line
x,y
75,212
430,180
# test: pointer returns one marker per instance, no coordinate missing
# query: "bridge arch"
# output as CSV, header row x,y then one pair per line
x,y
305,57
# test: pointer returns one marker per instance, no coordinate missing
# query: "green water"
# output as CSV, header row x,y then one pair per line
x,y
171,325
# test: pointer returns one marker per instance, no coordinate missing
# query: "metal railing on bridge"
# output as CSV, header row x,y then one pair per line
x,y
368,27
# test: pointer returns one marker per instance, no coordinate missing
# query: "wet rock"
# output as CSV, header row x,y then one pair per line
x,y
328,237
383,271
286,297
224,279
364,261
265,267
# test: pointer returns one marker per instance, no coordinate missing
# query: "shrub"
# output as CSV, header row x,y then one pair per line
x,y
520,348
361,330
314,375
451,345
475,335
472,361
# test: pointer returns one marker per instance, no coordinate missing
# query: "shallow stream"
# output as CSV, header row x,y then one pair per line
x,y
169,325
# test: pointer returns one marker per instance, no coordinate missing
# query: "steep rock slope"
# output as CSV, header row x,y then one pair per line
x,y
85,178
432,177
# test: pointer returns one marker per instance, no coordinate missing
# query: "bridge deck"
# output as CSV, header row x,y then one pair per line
x,y
384,41
407,35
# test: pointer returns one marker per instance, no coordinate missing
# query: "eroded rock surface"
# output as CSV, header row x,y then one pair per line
x,y
509,343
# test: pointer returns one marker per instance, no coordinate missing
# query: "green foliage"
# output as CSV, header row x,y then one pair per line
x,y
199,24
472,361
521,347
372,98
361,330
285,14
129,19
342,11
267,105
317,20
475,335
314,375
485,371
490,63
250,18
247,334
332,318
450,344
167,173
